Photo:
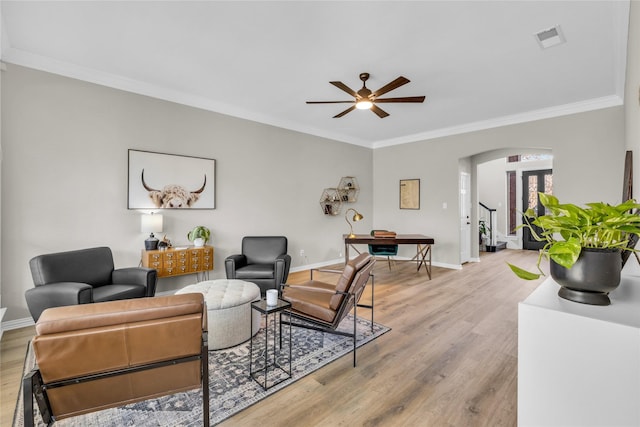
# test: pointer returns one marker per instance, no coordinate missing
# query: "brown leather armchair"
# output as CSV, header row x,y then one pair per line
x,y
322,306
92,357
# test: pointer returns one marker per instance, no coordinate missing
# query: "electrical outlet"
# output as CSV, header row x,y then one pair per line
x,y
301,252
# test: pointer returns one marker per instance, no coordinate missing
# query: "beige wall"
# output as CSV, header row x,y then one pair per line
x,y
64,177
588,161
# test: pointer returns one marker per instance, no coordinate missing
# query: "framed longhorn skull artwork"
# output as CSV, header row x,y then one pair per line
x,y
170,181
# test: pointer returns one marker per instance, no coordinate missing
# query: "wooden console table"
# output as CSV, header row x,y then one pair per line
x,y
178,261
422,242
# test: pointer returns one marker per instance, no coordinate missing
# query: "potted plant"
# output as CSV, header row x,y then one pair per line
x,y
583,244
483,230
199,235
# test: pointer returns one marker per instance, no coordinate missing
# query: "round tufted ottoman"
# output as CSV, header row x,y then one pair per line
x,y
228,310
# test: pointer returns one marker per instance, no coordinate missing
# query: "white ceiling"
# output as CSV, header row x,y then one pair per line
x,y
477,62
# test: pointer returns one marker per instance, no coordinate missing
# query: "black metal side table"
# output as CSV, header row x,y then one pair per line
x,y
271,366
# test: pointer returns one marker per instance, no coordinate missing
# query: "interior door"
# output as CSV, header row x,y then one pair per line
x,y
465,217
534,182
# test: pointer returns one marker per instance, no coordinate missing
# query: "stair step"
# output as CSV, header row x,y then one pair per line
x,y
499,246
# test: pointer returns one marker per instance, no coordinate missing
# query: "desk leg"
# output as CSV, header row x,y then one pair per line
x,y
346,253
422,259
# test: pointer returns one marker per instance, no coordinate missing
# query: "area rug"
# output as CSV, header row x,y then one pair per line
x,y
231,388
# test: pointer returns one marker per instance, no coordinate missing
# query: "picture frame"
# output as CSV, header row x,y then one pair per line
x,y
409,194
170,181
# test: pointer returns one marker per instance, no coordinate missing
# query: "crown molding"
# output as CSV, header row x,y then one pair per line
x,y
529,116
50,65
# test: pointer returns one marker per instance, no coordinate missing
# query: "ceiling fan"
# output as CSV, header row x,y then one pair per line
x,y
364,99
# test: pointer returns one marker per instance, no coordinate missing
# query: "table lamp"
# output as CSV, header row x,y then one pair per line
x,y
151,223
356,217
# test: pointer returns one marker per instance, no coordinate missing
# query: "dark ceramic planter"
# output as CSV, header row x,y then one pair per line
x,y
592,277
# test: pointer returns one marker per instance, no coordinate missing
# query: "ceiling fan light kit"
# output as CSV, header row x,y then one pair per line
x,y
364,105
364,99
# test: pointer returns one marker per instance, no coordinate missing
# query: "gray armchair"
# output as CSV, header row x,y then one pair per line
x,y
82,277
263,261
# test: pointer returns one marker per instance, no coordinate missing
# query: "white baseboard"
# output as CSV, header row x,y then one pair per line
x,y
17,323
2,312
316,265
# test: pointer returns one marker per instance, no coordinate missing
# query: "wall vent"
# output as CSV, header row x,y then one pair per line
x,y
550,37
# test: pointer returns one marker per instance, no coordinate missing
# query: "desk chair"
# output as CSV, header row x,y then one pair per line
x,y
383,250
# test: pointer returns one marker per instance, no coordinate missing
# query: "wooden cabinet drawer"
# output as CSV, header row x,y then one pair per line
x,y
171,262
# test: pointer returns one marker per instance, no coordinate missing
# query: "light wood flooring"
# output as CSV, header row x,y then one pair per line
x,y
450,359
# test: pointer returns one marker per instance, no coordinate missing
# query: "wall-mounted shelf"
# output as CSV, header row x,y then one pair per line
x,y
331,201
346,192
349,189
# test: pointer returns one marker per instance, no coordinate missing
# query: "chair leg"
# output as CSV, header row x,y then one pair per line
x,y
32,387
204,356
27,399
373,282
389,261
355,317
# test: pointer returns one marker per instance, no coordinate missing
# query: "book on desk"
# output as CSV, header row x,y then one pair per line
x,y
384,234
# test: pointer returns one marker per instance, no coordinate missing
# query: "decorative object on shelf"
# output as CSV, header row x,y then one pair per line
x,y
589,234
331,201
349,189
165,243
356,217
199,235
151,223
169,181
409,194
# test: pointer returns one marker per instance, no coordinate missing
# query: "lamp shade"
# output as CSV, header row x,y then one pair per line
x,y
151,223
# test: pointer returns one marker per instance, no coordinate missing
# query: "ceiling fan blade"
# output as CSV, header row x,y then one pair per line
x,y
402,99
345,88
391,86
379,111
348,110
330,102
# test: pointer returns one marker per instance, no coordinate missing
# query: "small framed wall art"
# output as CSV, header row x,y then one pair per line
x,y
170,181
409,194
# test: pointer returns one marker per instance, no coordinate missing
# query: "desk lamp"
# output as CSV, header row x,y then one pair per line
x,y
151,223
356,217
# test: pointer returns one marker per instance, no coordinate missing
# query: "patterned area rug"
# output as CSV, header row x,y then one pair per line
x,y
231,388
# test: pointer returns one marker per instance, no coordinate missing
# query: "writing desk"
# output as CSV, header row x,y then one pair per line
x,y
422,242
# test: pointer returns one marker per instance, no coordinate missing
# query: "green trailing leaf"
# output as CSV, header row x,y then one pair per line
x,y
523,274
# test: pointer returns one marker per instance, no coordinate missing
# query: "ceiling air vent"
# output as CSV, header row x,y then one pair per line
x,y
550,37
